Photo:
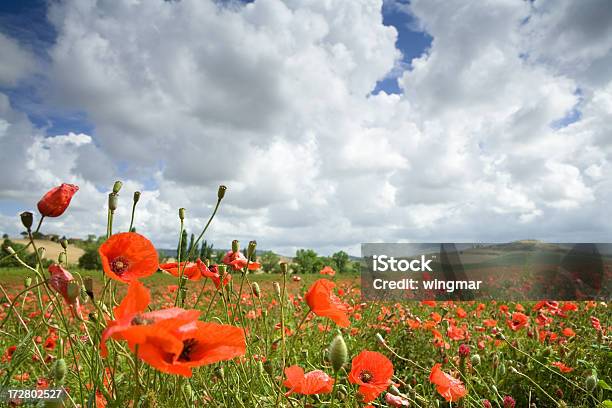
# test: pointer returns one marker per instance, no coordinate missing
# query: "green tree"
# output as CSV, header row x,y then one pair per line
x,y
206,251
270,262
307,261
340,261
182,246
190,249
90,259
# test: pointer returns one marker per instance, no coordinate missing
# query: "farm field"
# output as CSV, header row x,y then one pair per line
x,y
483,354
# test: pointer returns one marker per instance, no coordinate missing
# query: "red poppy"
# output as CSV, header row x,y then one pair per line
x,y
519,320
447,386
59,280
55,202
191,270
455,333
238,261
568,332
217,280
372,372
562,367
313,382
328,270
323,302
131,320
128,256
175,348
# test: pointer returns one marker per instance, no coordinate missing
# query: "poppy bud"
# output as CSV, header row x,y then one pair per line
x,y
59,371
41,252
591,383
62,258
219,372
88,283
56,200
284,268
235,245
27,281
113,200
255,288
221,192
64,243
10,250
338,353
502,369
27,218
277,288
136,196
380,338
268,367
73,290
117,186
513,370
475,360
251,250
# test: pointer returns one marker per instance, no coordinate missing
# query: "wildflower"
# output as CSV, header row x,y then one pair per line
x,y
328,270
191,270
396,400
568,332
56,200
372,372
238,261
60,278
449,387
464,350
131,320
128,256
562,367
519,320
313,382
173,347
323,302
509,402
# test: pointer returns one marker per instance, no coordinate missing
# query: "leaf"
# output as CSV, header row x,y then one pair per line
x,y
606,404
604,385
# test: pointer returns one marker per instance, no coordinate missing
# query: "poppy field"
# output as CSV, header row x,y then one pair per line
x,y
146,333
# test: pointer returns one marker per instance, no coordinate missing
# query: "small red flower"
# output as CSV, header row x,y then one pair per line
x,y
238,261
128,256
328,270
323,302
448,386
519,320
372,372
55,202
562,367
191,270
313,382
59,280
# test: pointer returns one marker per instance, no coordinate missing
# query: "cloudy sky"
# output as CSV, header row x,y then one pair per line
x,y
332,122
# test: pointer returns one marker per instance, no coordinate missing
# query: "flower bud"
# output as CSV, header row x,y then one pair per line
x,y
284,268
256,289
59,371
502,369
464,350
117,186
219,372
277,289
27,281
64,243
251,250
475,360
73,290
27,218
591,383
113,200
88,283
61,259
136,196
181,214
380,338
10,250
221,192
41,252
338,353
235,245
57,200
